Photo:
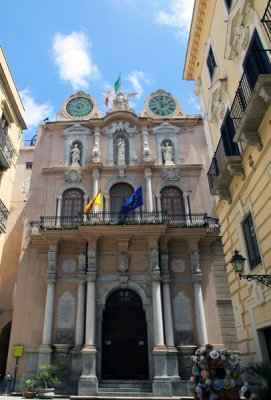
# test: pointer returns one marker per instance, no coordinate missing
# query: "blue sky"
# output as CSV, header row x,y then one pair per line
x,y
56,48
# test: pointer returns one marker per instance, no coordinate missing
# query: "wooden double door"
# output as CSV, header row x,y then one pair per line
x,y
124,338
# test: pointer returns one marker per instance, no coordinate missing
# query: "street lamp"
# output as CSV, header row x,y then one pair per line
x,y
238,263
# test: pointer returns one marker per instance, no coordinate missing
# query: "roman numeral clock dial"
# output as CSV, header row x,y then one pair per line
x,y
162,105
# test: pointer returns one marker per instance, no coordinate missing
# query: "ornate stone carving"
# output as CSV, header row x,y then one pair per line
x,y
184,338
123,262
182,312
52,260
66,311
69,266
194,262
238,32
91,260
73,175
177,265
64,336
154,253
82,262
217,100
171,174
121,126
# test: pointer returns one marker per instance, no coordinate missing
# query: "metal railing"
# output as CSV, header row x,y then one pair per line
x,y
218,159
3,217
7,148
103,218
266,20
30,142
244,91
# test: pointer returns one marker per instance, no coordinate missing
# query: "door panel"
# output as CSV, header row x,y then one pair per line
x,y
124,347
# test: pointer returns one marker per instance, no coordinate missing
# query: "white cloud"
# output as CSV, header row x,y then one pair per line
x,y
136,78
194,101
34,113
178,16
72,56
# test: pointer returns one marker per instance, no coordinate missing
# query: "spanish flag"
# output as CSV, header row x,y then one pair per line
x,y
96,201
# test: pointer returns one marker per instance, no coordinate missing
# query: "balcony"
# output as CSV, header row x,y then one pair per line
x,y
249,106
7,151
111,219
266,20
3,217
226,163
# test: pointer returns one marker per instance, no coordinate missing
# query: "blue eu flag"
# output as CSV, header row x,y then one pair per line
x,y
135,201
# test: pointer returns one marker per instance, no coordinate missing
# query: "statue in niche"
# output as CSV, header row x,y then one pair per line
x,y
168,153
75,155
121,151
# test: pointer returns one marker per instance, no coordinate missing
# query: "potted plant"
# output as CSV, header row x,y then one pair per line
x,y
47,378
30,391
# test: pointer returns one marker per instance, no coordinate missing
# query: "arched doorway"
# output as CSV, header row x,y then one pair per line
x,y
72,203
172,200
119,193
124,337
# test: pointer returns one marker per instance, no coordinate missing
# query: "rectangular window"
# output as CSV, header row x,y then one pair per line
x,y
251,242
211,64
228,4
28,165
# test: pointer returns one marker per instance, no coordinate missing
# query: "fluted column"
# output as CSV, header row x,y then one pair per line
x,y
186,203
148,176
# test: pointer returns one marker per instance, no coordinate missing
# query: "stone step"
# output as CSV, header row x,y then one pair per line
x,y
129,396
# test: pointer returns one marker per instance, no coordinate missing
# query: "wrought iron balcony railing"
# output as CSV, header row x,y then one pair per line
x,y
251,100
103,218
3,217
219,176
266,20
7,150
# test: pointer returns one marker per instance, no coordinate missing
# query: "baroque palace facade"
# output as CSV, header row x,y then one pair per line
x,y
111,297
11,127
229,57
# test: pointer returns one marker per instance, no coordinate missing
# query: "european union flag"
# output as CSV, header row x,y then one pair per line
x,y
135,201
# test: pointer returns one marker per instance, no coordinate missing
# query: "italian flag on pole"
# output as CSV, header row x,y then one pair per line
x,y
96,201
113,91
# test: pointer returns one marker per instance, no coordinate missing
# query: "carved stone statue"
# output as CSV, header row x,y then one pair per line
x,y
121,152
75,154
168,153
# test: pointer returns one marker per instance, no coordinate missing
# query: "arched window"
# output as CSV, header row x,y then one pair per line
x,y
72,202
118,194
172,200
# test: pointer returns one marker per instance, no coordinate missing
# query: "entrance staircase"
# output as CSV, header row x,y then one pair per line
x,y
128,390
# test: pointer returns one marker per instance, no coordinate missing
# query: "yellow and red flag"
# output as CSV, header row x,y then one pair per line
x,y
96,201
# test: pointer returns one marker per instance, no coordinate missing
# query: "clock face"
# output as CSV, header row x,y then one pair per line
x,y
162,105
79,107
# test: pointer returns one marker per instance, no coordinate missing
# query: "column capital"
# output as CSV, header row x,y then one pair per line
x,y
158,195
148,173
51,278
96,173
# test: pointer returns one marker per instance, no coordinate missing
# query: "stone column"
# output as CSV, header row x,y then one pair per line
x,y
199,306
146,146
95,176
45,349
88,384
172,353
148,176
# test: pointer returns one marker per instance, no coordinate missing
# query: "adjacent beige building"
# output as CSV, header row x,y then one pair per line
x,y
11,126
228,57
117,296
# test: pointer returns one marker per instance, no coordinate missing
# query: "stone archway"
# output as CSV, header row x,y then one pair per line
x,y
124,337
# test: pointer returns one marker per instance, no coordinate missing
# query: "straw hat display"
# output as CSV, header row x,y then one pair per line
x,y
216,374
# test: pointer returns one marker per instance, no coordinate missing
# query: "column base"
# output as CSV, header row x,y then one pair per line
x,y
88,383
166,381
45,354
